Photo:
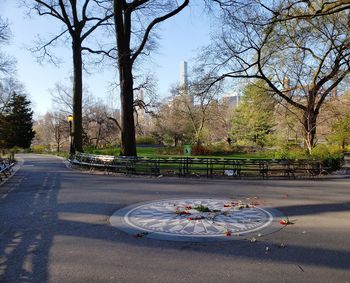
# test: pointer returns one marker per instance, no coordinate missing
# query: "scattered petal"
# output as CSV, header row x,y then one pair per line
x,y
252,240
196,218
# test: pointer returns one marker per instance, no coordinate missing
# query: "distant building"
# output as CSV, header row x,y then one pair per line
x,y
232,100
184,84
183,75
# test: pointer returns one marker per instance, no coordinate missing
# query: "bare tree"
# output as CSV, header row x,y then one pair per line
x,y
134,22
8,86
62,97
198,105
171,126
79,19
306,9
99,127
7,63
302,62
98,118
287,9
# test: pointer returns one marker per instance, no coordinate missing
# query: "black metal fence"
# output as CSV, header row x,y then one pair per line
x,y
192,166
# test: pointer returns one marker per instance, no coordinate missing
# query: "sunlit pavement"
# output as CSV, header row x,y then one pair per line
x,y
54,227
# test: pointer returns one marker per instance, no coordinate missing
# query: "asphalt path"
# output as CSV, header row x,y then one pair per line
x,y
54,227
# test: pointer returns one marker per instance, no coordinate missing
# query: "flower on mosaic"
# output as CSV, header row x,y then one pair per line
x,y
228,233
188,207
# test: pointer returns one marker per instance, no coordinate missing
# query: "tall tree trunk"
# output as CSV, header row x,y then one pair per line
x,y
77,96
309,123
128,146
122,20
98,135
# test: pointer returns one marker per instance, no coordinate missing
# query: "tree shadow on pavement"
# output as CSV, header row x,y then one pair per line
x,y
32,216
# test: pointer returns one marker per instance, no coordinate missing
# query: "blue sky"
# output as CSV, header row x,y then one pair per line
x,y
181,37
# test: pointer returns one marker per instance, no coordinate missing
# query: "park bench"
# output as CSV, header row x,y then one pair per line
x,y
199,166
6,165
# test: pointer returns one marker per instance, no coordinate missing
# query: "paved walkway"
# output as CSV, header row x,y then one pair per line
x,y
54,227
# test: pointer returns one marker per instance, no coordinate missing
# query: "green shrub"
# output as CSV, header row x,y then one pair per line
x,y
145,140
333,162
40,148
290,153
201,150
220,148
331,156
17,149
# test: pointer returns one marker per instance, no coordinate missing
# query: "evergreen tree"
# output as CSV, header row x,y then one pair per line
x,y
253,119
16,123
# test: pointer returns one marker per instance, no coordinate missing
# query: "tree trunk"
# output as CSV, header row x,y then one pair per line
x,y
309,123
128,146
122,20
98,135
77,129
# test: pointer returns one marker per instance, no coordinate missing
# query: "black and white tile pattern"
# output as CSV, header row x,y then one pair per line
x,y
160,218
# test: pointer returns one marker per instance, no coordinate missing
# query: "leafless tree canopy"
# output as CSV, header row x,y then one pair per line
x,y
301,60
79,20
7,63
8,86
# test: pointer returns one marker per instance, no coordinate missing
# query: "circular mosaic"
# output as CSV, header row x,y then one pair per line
x,y
191,219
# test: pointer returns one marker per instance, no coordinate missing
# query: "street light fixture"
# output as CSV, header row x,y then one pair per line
x,y
71,144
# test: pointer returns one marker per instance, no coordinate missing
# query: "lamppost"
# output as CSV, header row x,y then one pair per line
x,y
71,144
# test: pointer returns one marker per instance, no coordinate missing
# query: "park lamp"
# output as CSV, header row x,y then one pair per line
x,y
71,144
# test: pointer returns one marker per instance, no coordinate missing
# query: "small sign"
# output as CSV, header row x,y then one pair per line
x,y
187,150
